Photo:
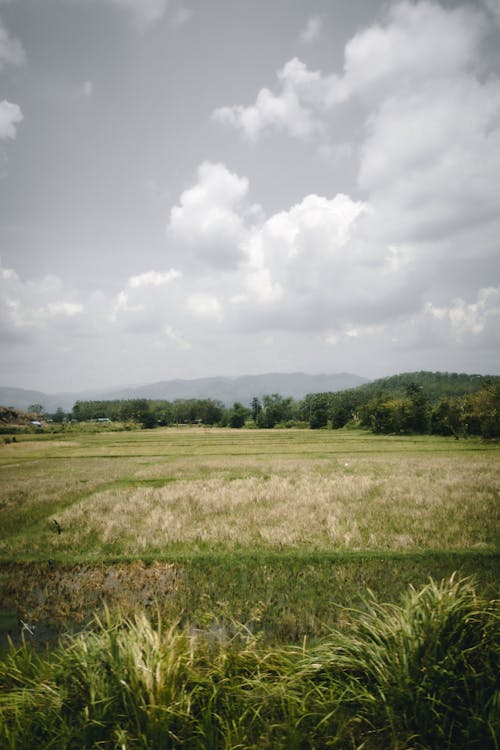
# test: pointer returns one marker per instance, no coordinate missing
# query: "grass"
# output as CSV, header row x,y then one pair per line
x,y
181,491
419,674
214,525
249,589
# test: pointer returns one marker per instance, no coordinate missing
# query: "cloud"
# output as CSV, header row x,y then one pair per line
x,y
34,305
312,268
173,335
469,318
138,295
493,6
87,88
312,29
10,117
205,306
182,16
11,50
291,111
210,223
417,43
154,278
145,12
428,159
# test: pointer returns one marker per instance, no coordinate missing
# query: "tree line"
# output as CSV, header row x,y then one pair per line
x,y
401,406
420,403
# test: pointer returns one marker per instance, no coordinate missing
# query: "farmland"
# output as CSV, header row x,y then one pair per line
x,y
277,534
195,498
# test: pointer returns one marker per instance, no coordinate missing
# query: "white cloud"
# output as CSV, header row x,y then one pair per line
x,y
11,50
10,117
418,42
139,296
154,278
292,110
299,252
312,29
177,338
429,160
33,305
122,305
69,309
210,223
205,306
469,318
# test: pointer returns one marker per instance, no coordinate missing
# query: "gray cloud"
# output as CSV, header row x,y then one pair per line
x,y
11,50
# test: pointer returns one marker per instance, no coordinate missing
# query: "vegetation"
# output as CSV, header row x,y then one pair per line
x,y
420,674
218,585
413,403
188,490
282,523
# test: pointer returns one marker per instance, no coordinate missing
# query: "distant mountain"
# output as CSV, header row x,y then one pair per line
x,y
227,390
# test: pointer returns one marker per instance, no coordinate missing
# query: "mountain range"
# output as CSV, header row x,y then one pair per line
x,y
226,389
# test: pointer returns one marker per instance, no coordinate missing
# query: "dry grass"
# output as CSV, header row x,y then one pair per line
x,y
152,493
373,505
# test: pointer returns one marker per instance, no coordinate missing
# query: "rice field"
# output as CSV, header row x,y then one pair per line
x,y
166,492
248,589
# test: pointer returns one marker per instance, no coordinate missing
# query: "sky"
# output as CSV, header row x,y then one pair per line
x,y
191,189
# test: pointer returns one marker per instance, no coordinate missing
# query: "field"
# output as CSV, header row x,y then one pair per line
x,y
274,534
271,514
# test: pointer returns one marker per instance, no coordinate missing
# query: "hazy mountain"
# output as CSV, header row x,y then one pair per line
x,y
227,390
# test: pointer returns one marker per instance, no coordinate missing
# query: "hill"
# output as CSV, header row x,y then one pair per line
x,y
435,385
227,390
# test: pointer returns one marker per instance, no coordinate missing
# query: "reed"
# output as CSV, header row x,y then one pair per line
x,y
420,674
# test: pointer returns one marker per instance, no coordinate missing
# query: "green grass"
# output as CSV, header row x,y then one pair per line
x,y
290,570
419,674
152,494
289,525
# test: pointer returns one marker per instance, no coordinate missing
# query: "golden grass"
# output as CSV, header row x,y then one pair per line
x,y
379,505
150,493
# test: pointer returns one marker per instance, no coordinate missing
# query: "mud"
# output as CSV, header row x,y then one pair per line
x,y
39,600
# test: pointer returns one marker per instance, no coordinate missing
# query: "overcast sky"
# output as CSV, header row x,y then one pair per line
x,y
242,186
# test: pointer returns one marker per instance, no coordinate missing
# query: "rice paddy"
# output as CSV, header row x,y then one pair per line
x,y
279,563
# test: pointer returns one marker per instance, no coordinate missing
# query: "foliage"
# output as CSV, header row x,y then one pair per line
x,y
475,413
238,415
422,674
276,410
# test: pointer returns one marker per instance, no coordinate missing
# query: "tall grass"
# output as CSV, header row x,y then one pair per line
x,y
421,674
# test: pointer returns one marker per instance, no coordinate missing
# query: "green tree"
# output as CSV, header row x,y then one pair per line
x,y
238,415
276,410
59,416
318,411
256,409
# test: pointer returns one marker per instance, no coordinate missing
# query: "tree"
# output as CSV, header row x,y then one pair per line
x,y
419,412
256,409
276,409
59,416
318,411
446,417
238,415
